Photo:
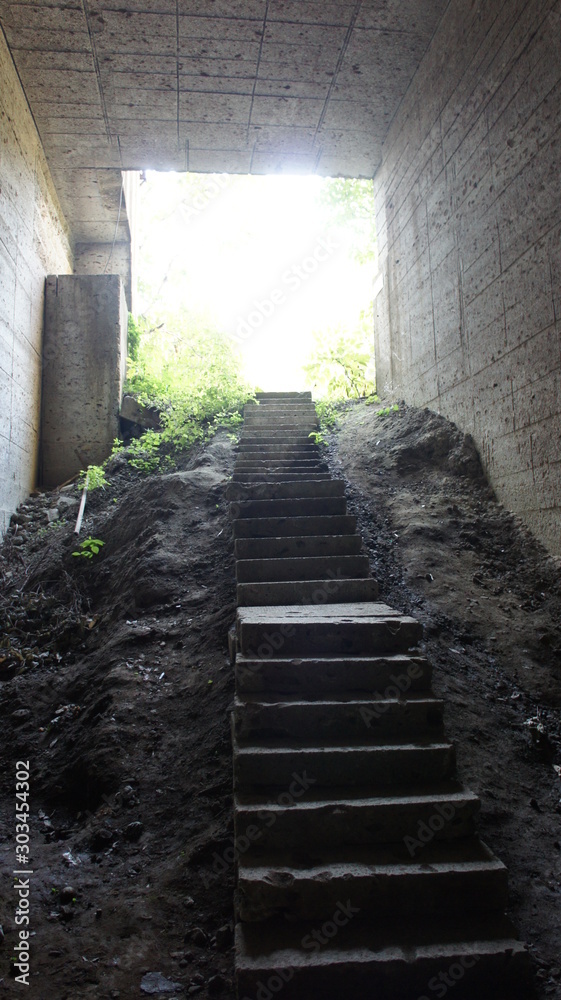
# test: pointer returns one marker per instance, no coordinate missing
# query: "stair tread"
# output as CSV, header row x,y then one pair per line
x,y
340,798
412,699
281,940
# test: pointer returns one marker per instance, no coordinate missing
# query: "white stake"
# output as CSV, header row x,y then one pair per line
x,y
82,507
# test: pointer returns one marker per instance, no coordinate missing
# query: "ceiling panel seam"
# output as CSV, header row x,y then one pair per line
x,y
255,79
98,75
339,63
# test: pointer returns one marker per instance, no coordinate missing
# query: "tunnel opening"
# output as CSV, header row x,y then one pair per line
x,y
283,266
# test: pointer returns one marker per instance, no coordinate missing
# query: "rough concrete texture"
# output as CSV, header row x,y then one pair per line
x,y
33,242
84,359
237,86
247,86
469,222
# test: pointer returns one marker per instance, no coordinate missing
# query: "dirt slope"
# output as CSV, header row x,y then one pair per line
x,y
488,595
127,736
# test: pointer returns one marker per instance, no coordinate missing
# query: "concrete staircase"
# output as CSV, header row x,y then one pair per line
x,y
360,871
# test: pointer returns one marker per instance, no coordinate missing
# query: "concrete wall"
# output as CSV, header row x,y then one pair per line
x,y
85,347
33,242
469,220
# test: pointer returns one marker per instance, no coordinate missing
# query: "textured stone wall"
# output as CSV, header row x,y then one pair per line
x,y
33,243
468,309
85,352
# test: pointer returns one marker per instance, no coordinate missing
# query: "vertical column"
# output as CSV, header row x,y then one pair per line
x,y
84,358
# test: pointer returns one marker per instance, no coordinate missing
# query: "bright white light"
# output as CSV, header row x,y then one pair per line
x,y
259,257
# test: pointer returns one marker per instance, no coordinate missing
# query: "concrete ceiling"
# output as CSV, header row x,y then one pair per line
x,y
237,86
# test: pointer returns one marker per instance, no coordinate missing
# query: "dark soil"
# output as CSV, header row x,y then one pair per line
x,y
115,685
119,701
488,595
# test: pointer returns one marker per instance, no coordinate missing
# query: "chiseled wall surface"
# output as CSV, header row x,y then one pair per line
x,y
33,243
468,319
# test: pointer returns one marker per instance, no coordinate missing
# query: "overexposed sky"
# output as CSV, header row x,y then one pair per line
x,y
261,257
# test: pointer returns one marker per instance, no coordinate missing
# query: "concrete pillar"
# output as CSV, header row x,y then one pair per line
x,y
84,358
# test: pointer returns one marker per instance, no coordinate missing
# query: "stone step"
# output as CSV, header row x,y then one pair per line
x,y
266,456
315,505
299,545
351,720
364,627
269,450
290,422
303,815
296,411
281,527
287,491
280,465
255,458
349,955
382,766
287,477
271,438
311,568
266,397
453,877
314,592
320,677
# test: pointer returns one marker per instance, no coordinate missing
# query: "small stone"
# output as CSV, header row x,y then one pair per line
x,y
199,937
66,912
18,540
21,714
224,938
19,519
198,978
65,503
67,894
133,831
189,901
154,983
53,514
216,984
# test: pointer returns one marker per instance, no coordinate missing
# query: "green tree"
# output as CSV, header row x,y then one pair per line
x,y
351,204
192,373
341,365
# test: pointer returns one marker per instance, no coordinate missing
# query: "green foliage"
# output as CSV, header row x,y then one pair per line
x,y
191,372
385,412
317,437
327,414
95,476
340,366
89,548
134,333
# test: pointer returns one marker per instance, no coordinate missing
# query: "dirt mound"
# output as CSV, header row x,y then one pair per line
x,y
488,595
119,700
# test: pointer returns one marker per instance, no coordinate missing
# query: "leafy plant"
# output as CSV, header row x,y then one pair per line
x,y
89,548
192,373
317,437
95,476
387,410
340,366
